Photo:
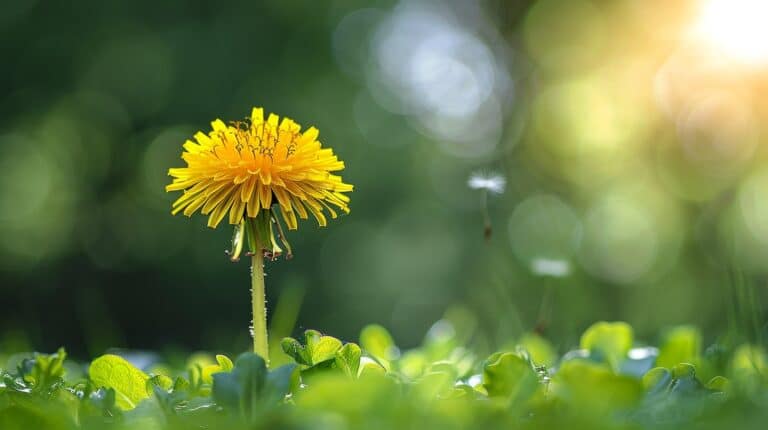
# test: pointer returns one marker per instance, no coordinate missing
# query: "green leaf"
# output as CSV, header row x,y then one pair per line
x,y
316,349
539,349
249,390
510,375
240,389
282,381
590,387
681,345
129,383
321,348
294,349
161,381
370,368
224,365
377,342
348,359
44,372
608,340
685,381
103,401
657,380
224,362
719,383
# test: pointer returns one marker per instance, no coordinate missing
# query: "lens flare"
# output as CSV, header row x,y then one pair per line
x,y
736,29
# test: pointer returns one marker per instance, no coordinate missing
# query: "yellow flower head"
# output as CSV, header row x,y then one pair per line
x,y
241,168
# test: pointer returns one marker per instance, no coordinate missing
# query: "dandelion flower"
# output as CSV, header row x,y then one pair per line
x,y
246,166
240,171
491,182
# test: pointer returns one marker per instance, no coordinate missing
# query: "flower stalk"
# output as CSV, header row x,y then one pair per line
x,y
246,172
259,306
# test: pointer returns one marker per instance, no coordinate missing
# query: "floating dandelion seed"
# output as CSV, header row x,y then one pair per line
x,y
240,171
491,182
551,268
487,183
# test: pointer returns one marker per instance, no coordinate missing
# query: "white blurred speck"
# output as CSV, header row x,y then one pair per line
x,y
642,353
549,267
492,182
475,380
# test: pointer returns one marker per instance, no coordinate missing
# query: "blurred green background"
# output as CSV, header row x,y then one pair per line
x,y
631,134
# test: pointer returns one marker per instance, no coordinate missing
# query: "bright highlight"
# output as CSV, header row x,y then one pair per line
x,y
735,28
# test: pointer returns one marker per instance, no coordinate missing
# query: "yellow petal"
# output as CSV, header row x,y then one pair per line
x,y
253,205
265,195
257,116
218,214
236,212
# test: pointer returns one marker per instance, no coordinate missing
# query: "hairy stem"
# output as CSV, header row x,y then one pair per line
x,y
258,300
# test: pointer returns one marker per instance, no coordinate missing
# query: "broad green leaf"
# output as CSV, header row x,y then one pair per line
x,y
377,341
129,383
657,380
370,367
413,363
348,359
608,340
681,345
685,381
590,387
294,349
539,349
321,348
433,385
248,391
241,389
316,349
282,381
510,375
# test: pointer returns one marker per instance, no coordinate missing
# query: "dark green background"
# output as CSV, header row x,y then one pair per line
x,y
96,99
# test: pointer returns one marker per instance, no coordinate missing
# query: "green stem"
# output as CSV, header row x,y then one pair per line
x,y
487,228
258,300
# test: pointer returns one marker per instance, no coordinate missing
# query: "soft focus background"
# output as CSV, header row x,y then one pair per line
x,y
631,133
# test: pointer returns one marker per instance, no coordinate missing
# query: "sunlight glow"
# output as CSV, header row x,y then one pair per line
x,y
736,28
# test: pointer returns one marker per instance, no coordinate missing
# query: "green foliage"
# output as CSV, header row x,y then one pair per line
x,y
249,390
44,372
608,341
585,386
510,375
128,382
439,384
681,345
377,342
348,359
315,350
539,349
